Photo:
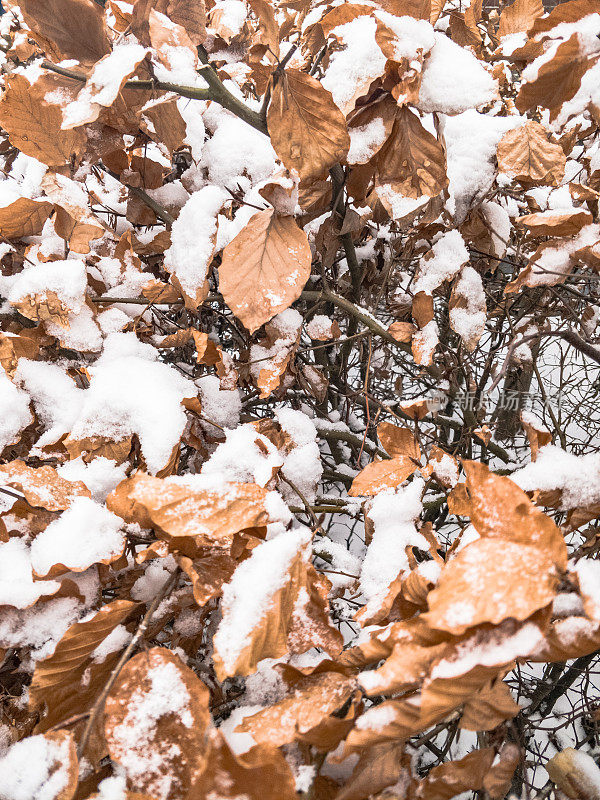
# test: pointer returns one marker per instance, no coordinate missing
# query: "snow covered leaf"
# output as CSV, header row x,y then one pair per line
x,y
445,467
404,669
378,767
264,269
307,129
41,766
260,774
208,574
273,354
211,516
156,720
73,222
492,705
381,475
42,486
412,160
499,508
519,17
556,223
537,435
490,580
454,777
267,604
527,155
575,773
398,441
33,126
103,84
307,713
23,217
68,28
85,534
69,681
390,721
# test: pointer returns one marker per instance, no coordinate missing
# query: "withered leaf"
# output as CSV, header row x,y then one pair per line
x,y
527,155
453,777
492,705
43,487
33,125
24,217
519,17
307,129
68,28
156,702
264,269
398,441
60,681
382,475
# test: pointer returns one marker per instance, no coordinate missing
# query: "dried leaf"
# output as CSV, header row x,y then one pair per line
x,y
526,154
453,777
556,223
68,28
575,773
33,125
264,269
156,722
382,475
307,129
43,487
519,17
24,217
397,441
491,706
69,681
377,768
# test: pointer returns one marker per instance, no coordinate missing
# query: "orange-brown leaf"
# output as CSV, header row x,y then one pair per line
x,y
43,487
492,705
526,154
382,475
519,17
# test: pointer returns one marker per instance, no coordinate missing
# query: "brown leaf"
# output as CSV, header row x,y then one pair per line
x,y
307,129
166,127
211,517
377,768
454,777
526,154
12,348
519,17
498,780
156,722
24,217
537,435
313,700
208,574
412,160
397,441
556,223
43,487
382,475
60,681
402,332
68,28
54,776
268,32
491,706
33,126
191,15
264,269
491,580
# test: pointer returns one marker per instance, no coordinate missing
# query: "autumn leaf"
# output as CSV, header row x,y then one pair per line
x,y
398,441
68,681
412,160
454,777
491,706
519,16
382,475
528,155
68,28
307,129
169,745
33,125
24,217
264,269
575,773
42,487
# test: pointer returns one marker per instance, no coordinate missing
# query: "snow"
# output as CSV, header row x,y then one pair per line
x,y
130,392
375,719
319,327
153,580
471,140
393,514
36,768
101,475
84,534
244,457
14,410
588,573
17,587
193,238
248,597
116,640
302,466
352,70
454,80
469,322
236,149
449,253
365,141
67,279
222,406
578,477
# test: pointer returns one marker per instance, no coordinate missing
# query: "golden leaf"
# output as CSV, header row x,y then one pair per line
x,y
33,126
412,160
12,348
377,768
454,777
402,332
556,223
537,435
24,217
307,129
382,475
169,745
60,681
264,269
43,487
526,154
207,574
